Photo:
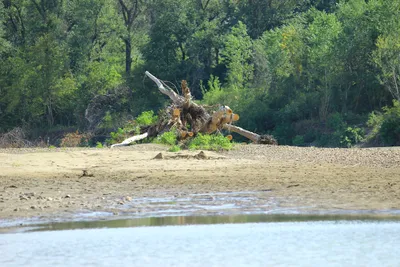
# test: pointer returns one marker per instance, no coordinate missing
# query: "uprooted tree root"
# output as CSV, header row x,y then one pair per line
x,y
189,118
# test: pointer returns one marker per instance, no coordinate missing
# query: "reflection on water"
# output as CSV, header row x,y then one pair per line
x,y
277,241
189,220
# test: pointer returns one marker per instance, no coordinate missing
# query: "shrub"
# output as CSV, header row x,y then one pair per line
x,y
390,128
386,125
298,140
375,120
75,139
174,148
210,142
390,131
351,136
167,138
146,118
99,145
336,122
284,133
132,127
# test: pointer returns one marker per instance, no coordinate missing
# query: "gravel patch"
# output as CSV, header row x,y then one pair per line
x,y
372,157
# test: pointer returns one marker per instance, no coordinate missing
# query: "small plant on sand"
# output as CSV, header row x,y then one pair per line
x,y
99,145
174,148
167,138
210,142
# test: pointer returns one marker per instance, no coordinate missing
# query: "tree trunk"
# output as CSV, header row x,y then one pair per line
x,y
128,57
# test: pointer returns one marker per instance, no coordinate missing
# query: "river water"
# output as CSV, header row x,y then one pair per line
x,y
208,241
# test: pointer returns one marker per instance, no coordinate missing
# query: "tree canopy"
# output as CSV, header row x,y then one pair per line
x,y
290,68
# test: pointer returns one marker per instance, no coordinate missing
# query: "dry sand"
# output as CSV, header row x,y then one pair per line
x,y
58,183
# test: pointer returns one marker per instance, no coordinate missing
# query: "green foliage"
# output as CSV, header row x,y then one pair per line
x,y
275,63
210,142
390,131
146,118
336,122
214,94
129,129
298,140
99,145
390,128
385,126
386,55
167,138
236,55
174,148
351,136
374,122
284,132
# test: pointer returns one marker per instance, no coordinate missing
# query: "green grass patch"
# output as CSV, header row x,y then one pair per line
x,y
210,142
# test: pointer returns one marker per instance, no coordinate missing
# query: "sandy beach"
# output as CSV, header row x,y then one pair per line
x,y
59,183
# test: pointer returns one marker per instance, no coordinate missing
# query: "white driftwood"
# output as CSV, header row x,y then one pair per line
x,y
130,140
177,99
249,135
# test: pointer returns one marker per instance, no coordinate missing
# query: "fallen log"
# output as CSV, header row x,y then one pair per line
x,y
256,138
132,139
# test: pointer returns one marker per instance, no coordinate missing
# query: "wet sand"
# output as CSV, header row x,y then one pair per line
x,y
49,184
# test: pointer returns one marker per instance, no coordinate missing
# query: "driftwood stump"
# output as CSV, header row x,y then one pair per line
x,y
190,118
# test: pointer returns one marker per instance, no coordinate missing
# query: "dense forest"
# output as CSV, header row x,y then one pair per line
x,y
318,72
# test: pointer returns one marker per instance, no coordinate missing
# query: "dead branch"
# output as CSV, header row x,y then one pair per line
x,y
132,139
256,138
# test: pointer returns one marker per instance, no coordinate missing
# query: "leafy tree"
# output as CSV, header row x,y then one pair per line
x,y
387,53
323,67
262,15
236,55
4,44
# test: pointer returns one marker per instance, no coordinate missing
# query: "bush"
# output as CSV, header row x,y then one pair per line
x,y
390,128
167,138
324,139
298,140
374,122
284,133
132,127
174,148
210,142
336,122
75,139
146,118
386,125
390,131
351,136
